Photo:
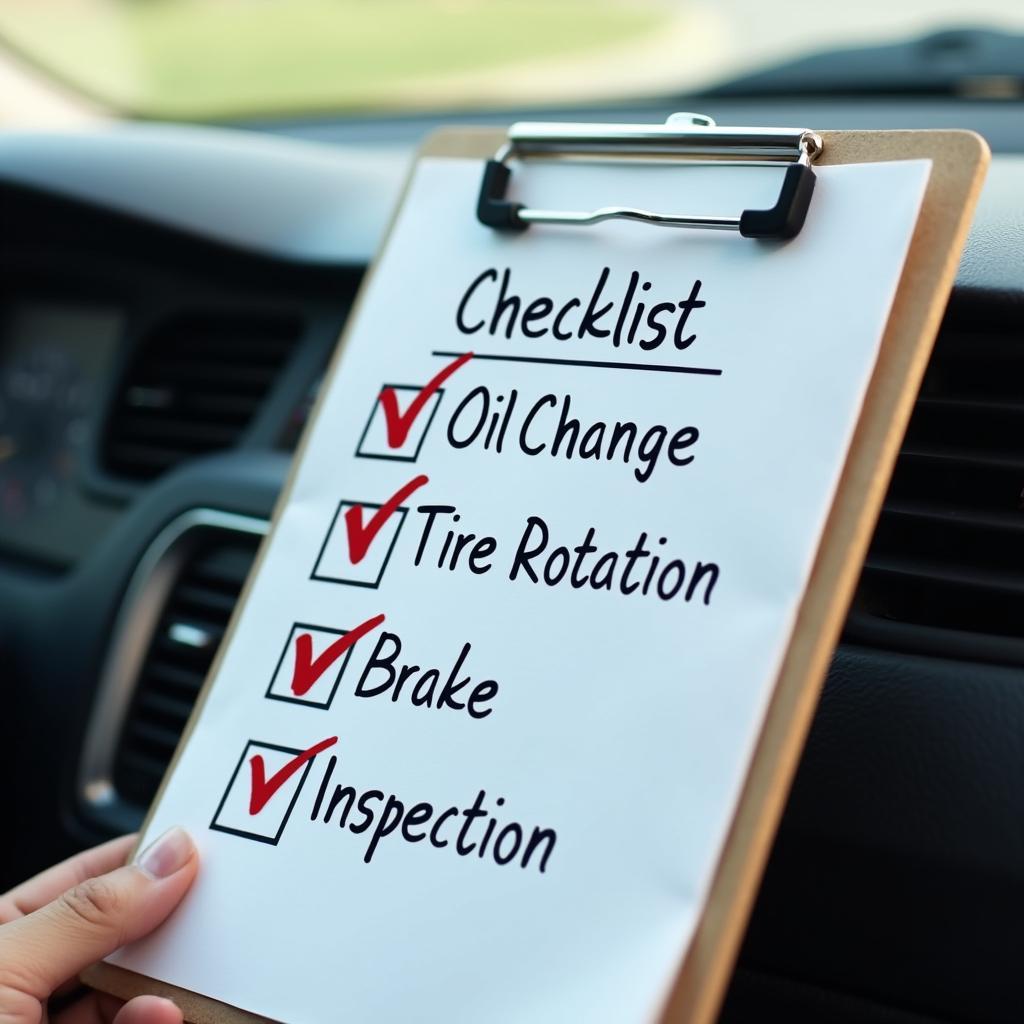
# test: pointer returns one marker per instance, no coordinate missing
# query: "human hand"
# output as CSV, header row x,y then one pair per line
x,y
58,923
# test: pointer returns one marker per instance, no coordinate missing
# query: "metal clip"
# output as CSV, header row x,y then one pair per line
x,y
689,136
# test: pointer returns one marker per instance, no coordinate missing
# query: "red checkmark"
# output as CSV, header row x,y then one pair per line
x,y
262,788
398,423
360,534
307,670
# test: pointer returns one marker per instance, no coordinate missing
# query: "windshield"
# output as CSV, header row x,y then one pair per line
x,y
206,59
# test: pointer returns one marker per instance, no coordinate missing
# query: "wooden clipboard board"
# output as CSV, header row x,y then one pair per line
x,y
959,162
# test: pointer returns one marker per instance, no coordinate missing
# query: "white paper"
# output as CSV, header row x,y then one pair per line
x,y
623,722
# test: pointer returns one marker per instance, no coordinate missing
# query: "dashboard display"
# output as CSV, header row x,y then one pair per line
x,y
52,358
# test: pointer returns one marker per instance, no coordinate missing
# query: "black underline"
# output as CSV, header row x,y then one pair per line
x,y
652,367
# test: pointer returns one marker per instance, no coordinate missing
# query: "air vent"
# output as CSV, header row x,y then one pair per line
x,y
196,383
188,632
945,572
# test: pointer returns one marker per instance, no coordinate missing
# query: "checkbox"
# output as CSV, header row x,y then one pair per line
x,y
375,443
234,815
335,562
312,663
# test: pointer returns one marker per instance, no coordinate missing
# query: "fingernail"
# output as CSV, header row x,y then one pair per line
x,y
168,854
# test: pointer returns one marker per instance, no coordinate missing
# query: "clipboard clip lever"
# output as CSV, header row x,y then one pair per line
x,y
682,136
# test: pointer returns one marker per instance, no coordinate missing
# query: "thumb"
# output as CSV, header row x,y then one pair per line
x,y
91,920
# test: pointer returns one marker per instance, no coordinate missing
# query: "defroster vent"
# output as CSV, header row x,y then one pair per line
x,y
945,572
195,385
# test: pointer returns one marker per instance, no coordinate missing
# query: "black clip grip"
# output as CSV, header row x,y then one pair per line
x,y
493,210
787,216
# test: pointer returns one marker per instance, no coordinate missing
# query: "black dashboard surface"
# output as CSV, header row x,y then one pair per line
x,y
896,888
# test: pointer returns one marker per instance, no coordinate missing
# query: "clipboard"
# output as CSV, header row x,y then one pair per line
x,y
959,160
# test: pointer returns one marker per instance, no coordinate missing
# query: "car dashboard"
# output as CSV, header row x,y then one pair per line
x,y
169,299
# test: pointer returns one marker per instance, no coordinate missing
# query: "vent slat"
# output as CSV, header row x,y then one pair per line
x,y
948,551
143,458
192,596
195,386
937,572
986,364
172,373
899,599
190,660
952,404
963,455
168,707
163,738
138,761
969,428
160,431
140,777
167,674
221,341
211,624
1011,522
980,485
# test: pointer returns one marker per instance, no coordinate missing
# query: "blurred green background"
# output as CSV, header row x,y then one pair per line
x,y
207,58
233,59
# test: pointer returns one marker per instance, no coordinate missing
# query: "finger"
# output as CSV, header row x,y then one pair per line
x,y
149,1010
100,1008
95,917
47,886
